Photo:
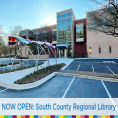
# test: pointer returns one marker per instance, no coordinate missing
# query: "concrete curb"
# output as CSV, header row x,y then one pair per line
x,y
88,77
10,66
28,86
66,65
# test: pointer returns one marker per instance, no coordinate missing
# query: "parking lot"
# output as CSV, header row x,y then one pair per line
x,y
61,86
95,65
67,87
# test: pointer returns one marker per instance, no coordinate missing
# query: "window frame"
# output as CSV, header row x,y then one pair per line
x,y
99,49
110,50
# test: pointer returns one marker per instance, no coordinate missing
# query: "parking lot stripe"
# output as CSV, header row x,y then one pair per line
x,y
93,68
3,90
78,67
106,89
110,69
68,87
109,95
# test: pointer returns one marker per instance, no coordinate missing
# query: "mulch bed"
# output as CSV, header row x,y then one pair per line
x,y
37,75
1,65
14,63
106,75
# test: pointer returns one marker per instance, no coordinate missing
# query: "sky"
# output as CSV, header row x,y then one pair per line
x,y
32,14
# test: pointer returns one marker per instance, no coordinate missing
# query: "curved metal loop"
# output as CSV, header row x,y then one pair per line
x,y
54,54
16,55
32,52
46,55
32,55
26,56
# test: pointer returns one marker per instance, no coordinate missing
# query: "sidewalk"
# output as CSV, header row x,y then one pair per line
x,y
13,76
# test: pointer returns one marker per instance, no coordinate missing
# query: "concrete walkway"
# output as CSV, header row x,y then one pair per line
x,y
11,77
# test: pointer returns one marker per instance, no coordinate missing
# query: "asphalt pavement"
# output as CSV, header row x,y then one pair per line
x,y
66,87
73,87
109,66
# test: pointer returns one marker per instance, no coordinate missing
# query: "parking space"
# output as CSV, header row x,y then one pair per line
x,y
112,87
67,87
101,68
86,88
54,88
95,65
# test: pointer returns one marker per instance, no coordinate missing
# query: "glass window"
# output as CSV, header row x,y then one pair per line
x,y
104,23
79,32
109,49
64,15
64,31
54,36
89,25
89,50
94,26
99,49
24,32
109,23
45,36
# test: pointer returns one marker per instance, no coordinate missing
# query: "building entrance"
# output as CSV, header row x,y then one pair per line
x,y
62,52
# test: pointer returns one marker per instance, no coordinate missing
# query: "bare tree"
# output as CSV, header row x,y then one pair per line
x,y
1,36
14,30
104,18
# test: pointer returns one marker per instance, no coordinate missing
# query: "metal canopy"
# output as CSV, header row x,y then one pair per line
x,y
62,46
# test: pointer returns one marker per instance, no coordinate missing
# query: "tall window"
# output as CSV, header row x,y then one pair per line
x,y
99,49
89,25
54,35
94,26
104,23
109,23
89,50
109,49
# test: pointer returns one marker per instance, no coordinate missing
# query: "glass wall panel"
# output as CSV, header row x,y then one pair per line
x,y
45,36
64,15
24,32
64,31
54,35
37,35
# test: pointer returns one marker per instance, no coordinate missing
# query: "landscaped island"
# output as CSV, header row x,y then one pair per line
x,y
37,75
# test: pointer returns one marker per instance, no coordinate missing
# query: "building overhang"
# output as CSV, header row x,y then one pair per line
x,y
62,46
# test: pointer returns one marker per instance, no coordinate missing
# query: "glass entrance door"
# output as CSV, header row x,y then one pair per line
x,y
62,53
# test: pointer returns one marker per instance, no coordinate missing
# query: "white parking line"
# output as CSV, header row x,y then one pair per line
x,y
106,89
78,67
68,87
110,69
3,90
109,95
93,68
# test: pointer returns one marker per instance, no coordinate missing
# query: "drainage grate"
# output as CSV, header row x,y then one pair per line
x,y
108,62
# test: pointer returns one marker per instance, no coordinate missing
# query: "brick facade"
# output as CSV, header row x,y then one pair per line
x,y
96,39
